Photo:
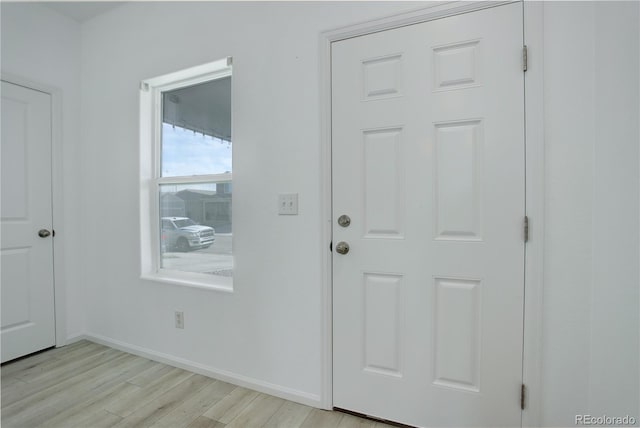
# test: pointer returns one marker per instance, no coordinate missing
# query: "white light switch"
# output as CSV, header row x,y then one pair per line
x,y
288,204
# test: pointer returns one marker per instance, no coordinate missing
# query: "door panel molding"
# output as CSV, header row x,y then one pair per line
x,y
534,198
57,199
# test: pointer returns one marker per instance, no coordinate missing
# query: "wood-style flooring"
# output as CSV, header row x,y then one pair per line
x,y
91,386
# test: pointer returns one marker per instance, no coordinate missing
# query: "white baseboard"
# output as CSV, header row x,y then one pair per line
x,y
223,375
74,339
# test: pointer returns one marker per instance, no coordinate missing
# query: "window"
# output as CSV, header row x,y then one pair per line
x,y
186,177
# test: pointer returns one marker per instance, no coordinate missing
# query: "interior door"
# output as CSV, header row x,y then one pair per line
x,y
428,164
28,323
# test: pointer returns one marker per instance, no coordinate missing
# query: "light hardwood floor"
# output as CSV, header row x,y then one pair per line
x,y
89,385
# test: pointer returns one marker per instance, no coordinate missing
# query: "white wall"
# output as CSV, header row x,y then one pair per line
x,y
615,309
591,291
44,47
269,329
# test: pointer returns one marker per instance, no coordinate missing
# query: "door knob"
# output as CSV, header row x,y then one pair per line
x,y
342,247
44,233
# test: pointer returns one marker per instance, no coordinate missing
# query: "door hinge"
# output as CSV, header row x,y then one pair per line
x,y
525,61
526,228
523,396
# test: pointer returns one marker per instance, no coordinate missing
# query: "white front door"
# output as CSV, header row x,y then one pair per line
x,y
428,163
28,323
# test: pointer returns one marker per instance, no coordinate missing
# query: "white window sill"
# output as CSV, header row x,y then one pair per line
x,y
185,279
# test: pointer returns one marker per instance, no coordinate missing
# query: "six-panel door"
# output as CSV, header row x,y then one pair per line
x,y
428,162
28,323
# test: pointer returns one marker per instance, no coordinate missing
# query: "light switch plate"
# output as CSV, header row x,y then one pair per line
x,y
288,204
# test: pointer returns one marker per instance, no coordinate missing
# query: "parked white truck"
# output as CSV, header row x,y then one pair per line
x,y
184,234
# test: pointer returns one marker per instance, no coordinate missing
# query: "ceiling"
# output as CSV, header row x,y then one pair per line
x,y
82,11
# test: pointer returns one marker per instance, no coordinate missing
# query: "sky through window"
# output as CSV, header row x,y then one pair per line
x,y
185,153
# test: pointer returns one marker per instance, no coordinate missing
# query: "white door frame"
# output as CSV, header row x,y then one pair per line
x,y
59,290
534,137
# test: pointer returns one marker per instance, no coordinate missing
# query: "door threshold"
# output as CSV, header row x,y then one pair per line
x,y
372,418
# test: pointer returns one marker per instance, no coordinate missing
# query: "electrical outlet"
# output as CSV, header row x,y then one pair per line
x,y
288,204
179,319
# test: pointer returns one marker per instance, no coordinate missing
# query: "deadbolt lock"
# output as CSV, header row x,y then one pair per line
x,y
344,220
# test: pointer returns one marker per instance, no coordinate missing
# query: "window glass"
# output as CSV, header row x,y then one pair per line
x,y
199,233
196,217
196,129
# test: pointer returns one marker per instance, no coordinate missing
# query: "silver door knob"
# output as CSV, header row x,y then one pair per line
x,y
44,233
342,247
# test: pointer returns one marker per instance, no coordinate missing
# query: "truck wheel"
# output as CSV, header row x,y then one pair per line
x,y
182,245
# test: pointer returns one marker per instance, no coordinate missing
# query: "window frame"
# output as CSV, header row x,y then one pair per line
x,y
151,179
